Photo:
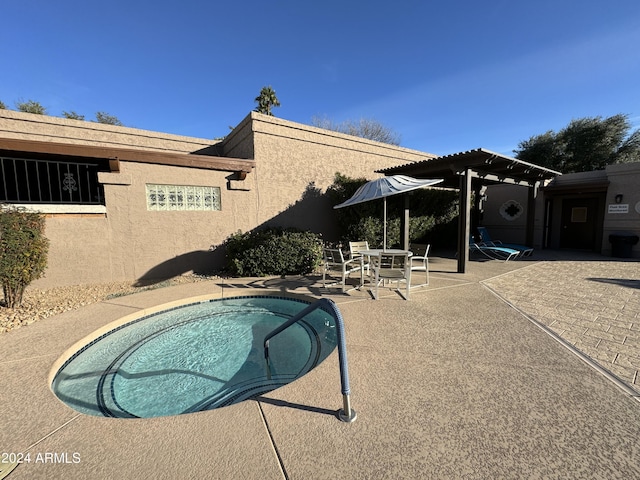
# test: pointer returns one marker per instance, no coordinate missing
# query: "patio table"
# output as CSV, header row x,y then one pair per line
x,y
374,252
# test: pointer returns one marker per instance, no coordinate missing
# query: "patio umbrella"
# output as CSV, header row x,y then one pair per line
x,y
383,188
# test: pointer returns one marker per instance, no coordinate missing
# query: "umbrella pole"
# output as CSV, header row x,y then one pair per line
x,y
384,225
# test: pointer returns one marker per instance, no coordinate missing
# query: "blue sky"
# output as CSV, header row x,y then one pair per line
x,y
447,76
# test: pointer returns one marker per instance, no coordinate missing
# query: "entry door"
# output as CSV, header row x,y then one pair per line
x,y
579,223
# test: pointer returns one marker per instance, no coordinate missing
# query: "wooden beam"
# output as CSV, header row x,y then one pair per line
x,y
501,178
130,155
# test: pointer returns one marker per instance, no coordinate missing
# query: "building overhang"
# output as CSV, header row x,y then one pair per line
x,y
578,183
9,147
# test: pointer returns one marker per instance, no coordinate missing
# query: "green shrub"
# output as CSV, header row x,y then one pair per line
x,y
23,251
371,229
273,251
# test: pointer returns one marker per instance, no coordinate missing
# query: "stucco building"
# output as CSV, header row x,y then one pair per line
x,y
574,211
129,204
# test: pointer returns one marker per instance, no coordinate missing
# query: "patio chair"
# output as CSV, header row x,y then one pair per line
x,y
333,260
354,252
494,252
420,260
486,239
394,267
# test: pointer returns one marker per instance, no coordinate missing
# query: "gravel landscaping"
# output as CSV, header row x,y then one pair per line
x,y
40,304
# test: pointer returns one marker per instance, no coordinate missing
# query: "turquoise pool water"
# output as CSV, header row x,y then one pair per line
x,y
195,357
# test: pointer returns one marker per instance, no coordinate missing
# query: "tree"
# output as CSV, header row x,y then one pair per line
x,y
31,106
266,101
364,128
2,105
585,144
72,115
104,117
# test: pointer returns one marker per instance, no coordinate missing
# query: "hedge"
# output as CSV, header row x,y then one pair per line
x,y
273,251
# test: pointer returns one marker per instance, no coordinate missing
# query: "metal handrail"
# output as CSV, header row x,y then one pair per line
x,y
347,414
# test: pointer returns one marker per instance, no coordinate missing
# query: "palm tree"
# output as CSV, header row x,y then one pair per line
x,y
266,100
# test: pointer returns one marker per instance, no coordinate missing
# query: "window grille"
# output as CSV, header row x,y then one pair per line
x,y
182,197
48,181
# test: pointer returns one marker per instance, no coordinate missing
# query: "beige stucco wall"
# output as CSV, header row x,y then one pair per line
x,y
78,250
132,243
624,179
43,128
143,240
508,230
295,164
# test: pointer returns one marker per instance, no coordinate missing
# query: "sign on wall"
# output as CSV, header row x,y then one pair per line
x,y
618,208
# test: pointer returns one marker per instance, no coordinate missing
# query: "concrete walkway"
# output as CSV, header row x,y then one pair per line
x,y
455,383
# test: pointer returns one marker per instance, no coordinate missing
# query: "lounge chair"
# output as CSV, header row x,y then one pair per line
x,y
494,252
486,239
420,260
333,260
394,267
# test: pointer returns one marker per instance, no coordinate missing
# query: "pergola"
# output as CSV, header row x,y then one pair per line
x,y
470,171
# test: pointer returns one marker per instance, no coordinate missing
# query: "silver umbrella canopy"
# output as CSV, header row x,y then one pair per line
x,y
383,188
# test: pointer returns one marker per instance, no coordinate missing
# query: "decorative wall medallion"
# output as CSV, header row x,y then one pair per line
x,y
69,183
510,210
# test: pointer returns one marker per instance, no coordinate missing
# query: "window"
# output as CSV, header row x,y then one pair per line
x,y
182,197
579,215
30,180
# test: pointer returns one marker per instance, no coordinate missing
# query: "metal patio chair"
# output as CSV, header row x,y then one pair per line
x,y
333,260
354,252
394,267
420,260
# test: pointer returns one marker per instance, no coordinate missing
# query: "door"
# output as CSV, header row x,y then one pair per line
x,y
579,223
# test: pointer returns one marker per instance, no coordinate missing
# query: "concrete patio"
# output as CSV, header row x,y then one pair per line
x,y
468,379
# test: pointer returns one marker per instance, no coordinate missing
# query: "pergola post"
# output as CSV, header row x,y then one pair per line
x,y
531,213
464,221
475,211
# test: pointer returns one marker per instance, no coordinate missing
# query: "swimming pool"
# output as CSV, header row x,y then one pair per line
x,y
194,357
